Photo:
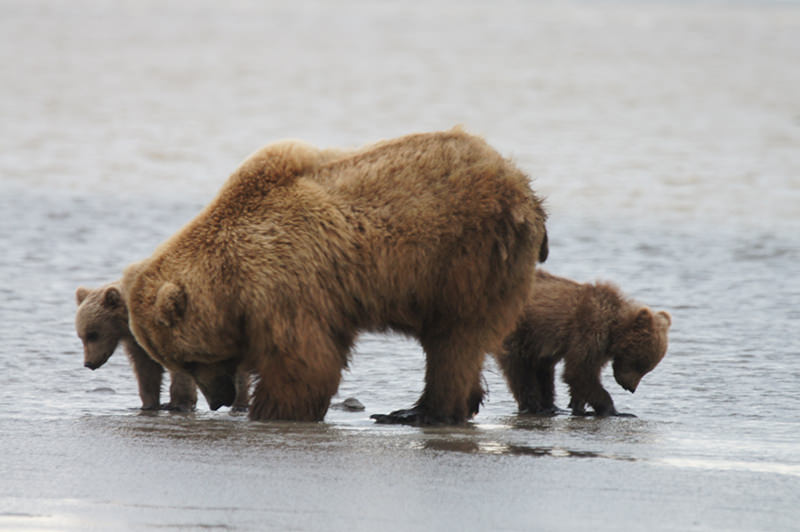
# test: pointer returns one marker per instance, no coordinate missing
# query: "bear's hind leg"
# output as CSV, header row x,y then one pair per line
x,y
295,388
545,378
453,391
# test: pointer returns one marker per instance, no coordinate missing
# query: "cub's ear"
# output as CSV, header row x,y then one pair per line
x,y
666,316
112,297
644,318
80,294
170,304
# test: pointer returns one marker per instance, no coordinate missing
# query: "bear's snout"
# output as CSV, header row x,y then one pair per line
x,y
91,365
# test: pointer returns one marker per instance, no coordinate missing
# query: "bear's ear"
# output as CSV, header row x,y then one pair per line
x,y
170,304
112,298
644,319
80,294
666,316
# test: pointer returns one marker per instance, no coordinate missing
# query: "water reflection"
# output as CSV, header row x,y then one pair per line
x,y
624,429
732,465
493,447
201,428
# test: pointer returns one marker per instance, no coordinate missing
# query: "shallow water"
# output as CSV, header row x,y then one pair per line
x,y
665,137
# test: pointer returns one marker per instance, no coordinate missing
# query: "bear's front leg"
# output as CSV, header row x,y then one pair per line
x,y
582,375
598,398
453,391
216,381
578,408
601,402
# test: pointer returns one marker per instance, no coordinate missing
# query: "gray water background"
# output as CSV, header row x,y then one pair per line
x,y
665,136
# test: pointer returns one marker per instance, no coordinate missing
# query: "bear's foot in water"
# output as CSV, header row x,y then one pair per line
x,y
416,416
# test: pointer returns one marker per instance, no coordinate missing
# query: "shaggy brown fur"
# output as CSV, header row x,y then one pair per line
x,y
432,235
102,323
587,325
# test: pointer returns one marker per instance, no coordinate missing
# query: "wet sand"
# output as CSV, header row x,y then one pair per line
x,y
180,472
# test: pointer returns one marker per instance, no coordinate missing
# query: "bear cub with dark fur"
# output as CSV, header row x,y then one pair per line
x,y
586,325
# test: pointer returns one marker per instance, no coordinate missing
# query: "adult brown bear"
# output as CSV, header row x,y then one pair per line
x,y
433,235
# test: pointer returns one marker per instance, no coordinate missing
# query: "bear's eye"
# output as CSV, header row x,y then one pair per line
x,y
92,337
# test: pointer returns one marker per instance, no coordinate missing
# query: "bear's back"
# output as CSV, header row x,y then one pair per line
x,y
569,314
427,173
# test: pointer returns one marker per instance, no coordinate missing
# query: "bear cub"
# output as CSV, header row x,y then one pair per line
x,y
102,324
587,325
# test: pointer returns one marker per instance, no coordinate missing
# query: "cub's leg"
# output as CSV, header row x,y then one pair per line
x,y
182,392
545,379
242,401
523,379
148,374
585,387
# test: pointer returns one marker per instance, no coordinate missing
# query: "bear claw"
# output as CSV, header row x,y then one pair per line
x,y
173,407
408,416
544,412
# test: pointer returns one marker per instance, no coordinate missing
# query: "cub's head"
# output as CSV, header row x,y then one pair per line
x,y
101,322
639,346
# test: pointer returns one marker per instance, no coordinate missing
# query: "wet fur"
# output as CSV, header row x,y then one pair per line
x,y
586,325
432,235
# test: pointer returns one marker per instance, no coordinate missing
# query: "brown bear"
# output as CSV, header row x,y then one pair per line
x,y
586,325
102,324
433,235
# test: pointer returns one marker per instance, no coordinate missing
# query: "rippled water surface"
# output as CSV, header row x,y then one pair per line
x,y
665,136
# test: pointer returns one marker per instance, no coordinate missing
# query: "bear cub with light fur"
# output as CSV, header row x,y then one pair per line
x,y
102,324
433,235
586,325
